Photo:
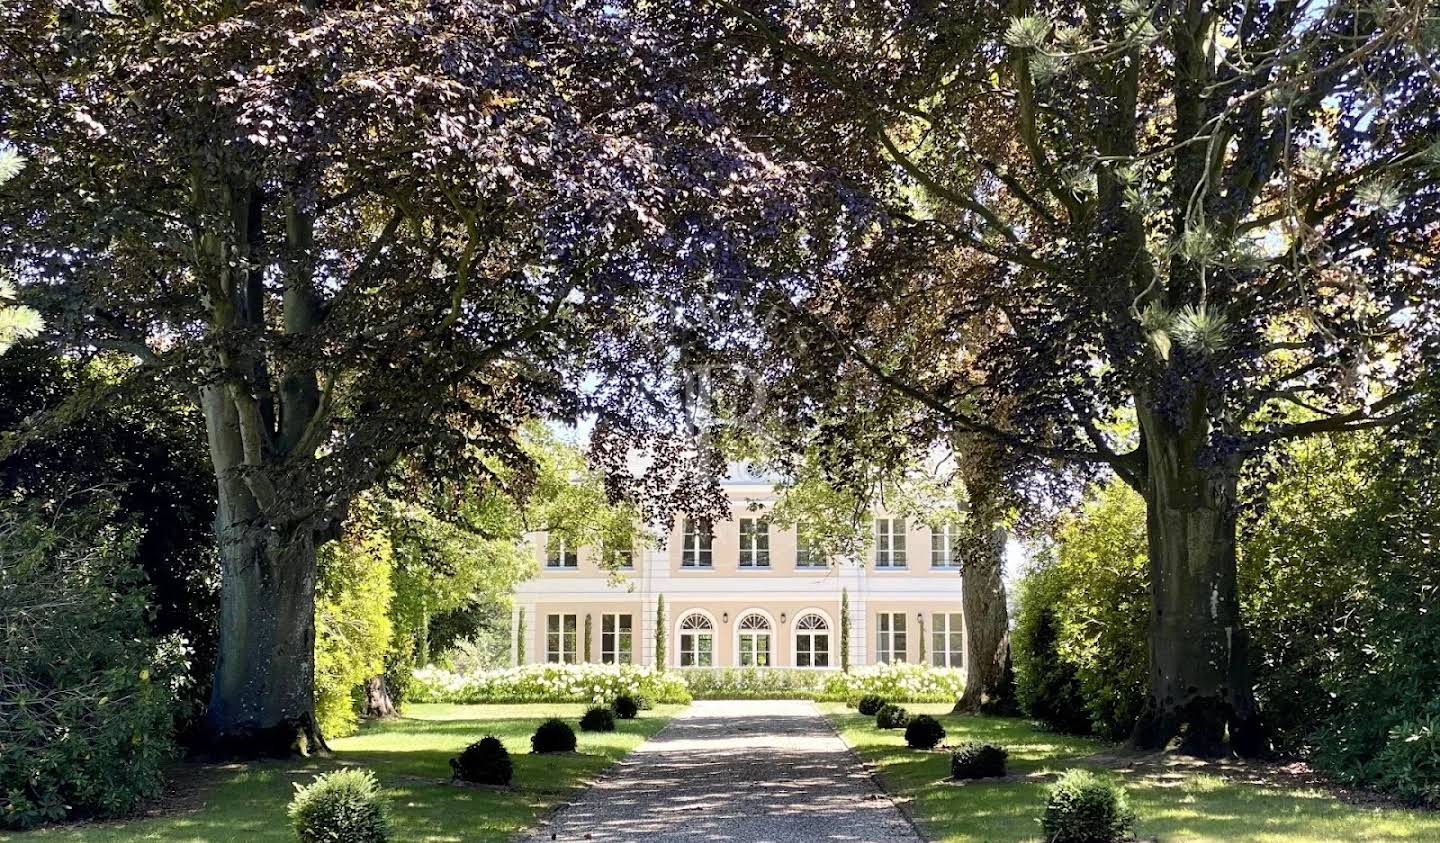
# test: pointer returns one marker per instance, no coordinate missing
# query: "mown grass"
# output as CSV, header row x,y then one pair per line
x,y
1181,807
411,758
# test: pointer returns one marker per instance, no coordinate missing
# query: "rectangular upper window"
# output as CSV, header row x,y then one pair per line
x,y
560,553
889,542
621,558
695,552
808,556
754,543
942,547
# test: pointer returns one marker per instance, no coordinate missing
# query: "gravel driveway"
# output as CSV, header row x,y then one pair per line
x,y
736,771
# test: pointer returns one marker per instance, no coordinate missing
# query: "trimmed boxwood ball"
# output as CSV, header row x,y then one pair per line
x,y
598,720
626,708
484,762
923,732
870,705
891,716
975,760
340,807
1086,807
553,736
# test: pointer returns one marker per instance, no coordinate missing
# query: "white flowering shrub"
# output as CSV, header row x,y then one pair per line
x,y
897,683
594,684
751,683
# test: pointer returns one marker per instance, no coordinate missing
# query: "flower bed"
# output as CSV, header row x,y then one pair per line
x,y
752,683
583,683
901,682
602,684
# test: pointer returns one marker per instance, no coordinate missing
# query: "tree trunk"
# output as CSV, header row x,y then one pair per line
x,y
989,680
263,699
378,703
1200,685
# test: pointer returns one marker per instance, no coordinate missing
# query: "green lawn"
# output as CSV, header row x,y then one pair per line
x,y
1177,807
411,758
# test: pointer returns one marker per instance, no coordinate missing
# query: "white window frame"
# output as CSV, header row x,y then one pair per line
x,y
944,629
892,639
942,547
690,626
807,653
628,554
564,654
697,550
611,635
807,557
559,556
890,543
754,543
748,639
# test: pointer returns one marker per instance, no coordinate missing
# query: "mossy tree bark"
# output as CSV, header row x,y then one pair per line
x,y
262,701
989,679
1200,684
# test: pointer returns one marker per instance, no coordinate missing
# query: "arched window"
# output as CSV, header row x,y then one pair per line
x,y
753,638
812,641
697,641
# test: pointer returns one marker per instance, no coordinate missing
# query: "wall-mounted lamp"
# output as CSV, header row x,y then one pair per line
x,y
724,617
782,617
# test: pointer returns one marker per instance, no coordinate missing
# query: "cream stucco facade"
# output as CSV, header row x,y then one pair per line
x,y
756,602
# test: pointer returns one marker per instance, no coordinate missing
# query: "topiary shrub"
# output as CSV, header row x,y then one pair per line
x,y
553,736
870,705
891,717
340,807
974,760
644,703
1086,807
598,720
484,762
626,708
923,732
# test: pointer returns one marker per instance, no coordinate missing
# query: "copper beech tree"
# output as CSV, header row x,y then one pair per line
x,y
1216,219
357,232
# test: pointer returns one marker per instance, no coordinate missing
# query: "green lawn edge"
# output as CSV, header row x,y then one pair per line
x,y
410,756
1178,807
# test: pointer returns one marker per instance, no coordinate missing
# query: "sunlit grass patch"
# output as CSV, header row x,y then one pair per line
x,y
1174,806
411,758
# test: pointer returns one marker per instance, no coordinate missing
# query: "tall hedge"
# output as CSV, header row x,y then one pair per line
x,y
1338,582
90,695
1341,583
1081,647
